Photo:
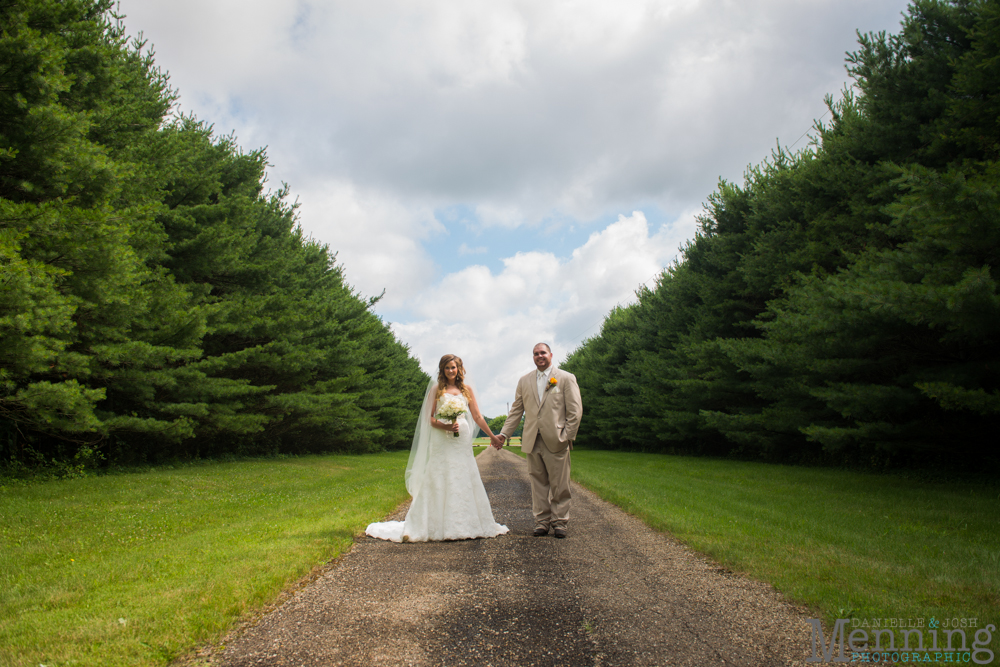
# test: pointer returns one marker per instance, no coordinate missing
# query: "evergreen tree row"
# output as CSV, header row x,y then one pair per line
x,y
155,300
842,304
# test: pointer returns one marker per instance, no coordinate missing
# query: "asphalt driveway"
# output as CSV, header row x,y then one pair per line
x,y
613,593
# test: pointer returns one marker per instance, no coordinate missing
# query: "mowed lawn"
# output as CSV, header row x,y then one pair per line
x,y
848,544
136,569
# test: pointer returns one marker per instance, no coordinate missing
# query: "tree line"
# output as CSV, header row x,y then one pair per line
x,y
156,300
841,304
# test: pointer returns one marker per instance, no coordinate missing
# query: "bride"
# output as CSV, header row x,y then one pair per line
x,y
449,500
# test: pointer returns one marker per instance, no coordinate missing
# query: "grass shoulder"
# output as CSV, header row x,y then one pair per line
x,y
137,568
850,544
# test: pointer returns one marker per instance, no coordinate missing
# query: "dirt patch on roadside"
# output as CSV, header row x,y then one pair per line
x,y
613,593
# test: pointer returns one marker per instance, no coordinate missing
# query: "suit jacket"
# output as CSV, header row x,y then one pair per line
x,y
556,419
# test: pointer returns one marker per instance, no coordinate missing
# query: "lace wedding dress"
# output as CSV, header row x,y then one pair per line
x,y
449,499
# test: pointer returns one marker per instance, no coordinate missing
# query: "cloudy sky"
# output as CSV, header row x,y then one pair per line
x,y
506,171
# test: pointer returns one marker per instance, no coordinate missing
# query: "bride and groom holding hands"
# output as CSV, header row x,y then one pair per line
x,y
449,499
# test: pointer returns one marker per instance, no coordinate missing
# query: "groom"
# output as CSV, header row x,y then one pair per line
x,y
549,399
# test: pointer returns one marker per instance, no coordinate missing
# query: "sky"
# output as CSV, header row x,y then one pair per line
x,y
506,172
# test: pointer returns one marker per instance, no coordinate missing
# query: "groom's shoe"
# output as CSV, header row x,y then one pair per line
x,y
540,532
560,533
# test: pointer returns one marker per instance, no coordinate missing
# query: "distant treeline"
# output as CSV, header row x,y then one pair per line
x,y
156,301
842,304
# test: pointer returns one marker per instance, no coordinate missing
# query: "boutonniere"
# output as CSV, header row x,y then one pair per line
x,y
552,384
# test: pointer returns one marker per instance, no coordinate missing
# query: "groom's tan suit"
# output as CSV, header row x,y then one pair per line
x,y
551,422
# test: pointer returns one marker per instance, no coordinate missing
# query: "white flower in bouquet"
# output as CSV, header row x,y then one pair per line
x,y
450,408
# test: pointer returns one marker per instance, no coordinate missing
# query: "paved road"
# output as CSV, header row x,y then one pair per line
x,y
613,593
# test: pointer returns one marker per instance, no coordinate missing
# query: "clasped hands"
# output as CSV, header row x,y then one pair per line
x,y
497,441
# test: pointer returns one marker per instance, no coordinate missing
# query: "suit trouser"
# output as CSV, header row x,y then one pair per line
x,y
550,496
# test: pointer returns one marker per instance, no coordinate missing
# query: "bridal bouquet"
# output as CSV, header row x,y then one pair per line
x,y
450,407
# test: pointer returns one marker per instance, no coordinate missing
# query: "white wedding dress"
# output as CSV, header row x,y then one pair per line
x,y
449,499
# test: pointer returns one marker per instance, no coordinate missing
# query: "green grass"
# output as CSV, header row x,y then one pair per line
x,y
848,544
136,569
485,442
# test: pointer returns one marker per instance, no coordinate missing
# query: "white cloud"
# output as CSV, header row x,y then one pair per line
x,y
377,239
464,249
537,117
507,216
493,320
517,106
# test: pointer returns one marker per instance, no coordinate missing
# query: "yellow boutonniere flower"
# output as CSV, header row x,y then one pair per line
x,y
553,382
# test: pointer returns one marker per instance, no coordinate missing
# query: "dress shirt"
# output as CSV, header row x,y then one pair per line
x,y
542,378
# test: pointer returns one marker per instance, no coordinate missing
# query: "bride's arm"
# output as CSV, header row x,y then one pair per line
x,y
476,415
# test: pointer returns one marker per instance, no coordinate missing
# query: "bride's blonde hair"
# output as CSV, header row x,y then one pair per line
x,y
459,379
